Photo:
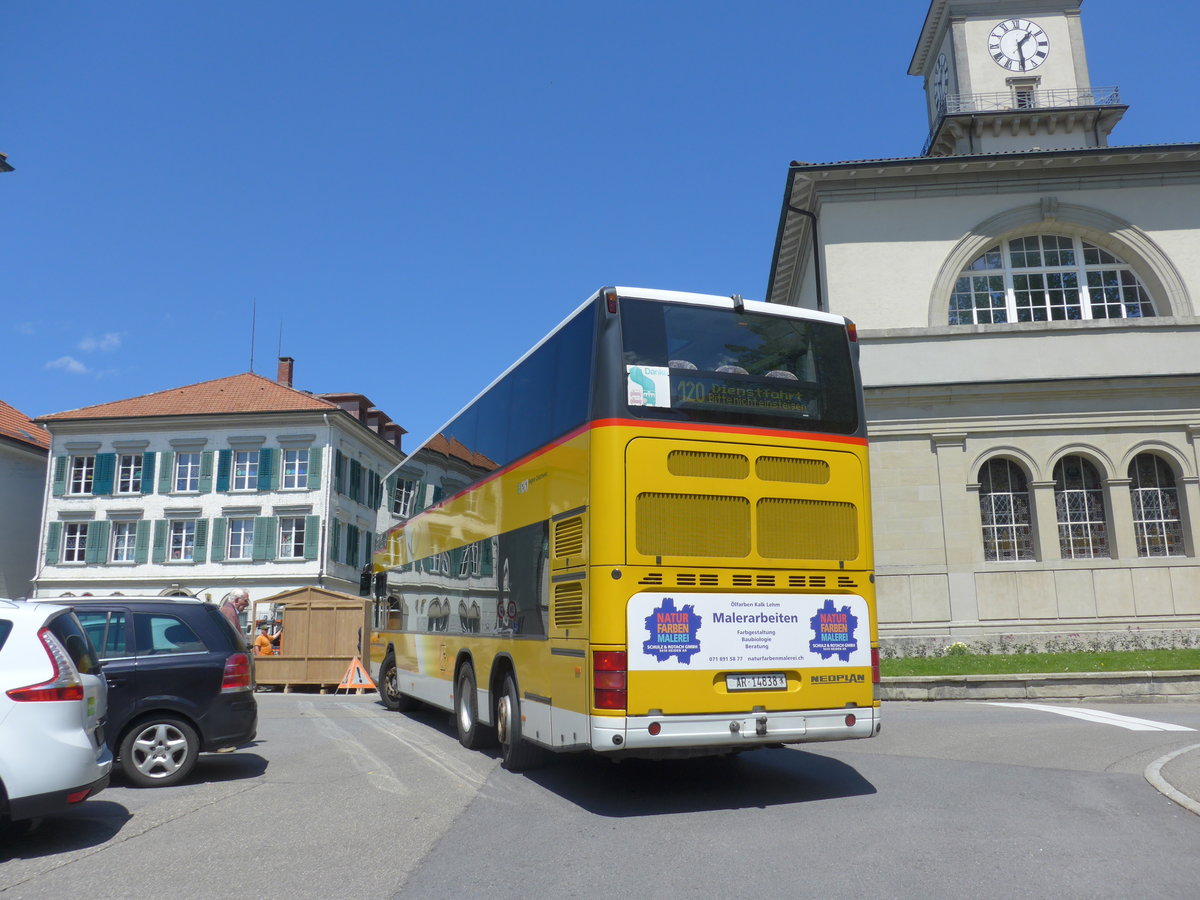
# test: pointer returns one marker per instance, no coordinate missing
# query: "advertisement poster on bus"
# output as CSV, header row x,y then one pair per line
x,y
747,631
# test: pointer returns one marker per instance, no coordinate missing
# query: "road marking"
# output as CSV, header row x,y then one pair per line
x,y
1103,718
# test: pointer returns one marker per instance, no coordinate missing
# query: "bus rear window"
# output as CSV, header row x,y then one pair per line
x,y
707,364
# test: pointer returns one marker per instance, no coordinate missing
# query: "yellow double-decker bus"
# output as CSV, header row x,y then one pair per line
x,y
650,536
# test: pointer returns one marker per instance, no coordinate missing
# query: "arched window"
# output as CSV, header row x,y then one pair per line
x,y
1045,277
1079,501
1004,507
1155,507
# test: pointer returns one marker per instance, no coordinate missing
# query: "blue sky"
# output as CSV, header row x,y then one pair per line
x,y
411,194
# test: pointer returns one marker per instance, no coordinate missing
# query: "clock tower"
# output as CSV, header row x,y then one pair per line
x,y
1010,75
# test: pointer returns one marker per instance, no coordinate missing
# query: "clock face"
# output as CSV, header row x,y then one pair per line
x,y
941,80
1018,45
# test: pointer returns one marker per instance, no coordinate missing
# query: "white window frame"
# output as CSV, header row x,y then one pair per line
x,y
1157,524
129,473
187,473
291,537
75,536
404,497
83,475
986,292
181,540
245,471
239,540
294,464
123,547
1082,514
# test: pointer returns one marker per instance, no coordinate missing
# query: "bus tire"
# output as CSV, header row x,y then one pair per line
x,y
389,687
471,733
516,753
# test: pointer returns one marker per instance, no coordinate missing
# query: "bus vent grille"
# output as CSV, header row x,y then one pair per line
x,y
693,525
697,464
743,580
708,580
799,581
568,538
845,581
807,529
816,581
652,578
568,604
764,580
685,579
796,471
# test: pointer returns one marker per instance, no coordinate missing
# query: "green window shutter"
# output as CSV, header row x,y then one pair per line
x,y
338,477
315,455
53,542
160,541
60,474
356,481
224,461
94,550
335,540
485,564
352,545
148,473
265,539
200,551
267,469
217,554
166,472
106,468
389,492
368,548
141,542
312,536
206,473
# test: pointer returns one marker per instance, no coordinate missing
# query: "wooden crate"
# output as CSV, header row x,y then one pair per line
x,y
322,633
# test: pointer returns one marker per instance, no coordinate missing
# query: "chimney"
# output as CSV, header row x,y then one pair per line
x,y
284,377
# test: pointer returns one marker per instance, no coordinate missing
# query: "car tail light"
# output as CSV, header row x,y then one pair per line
x,y
237,673
852,332
64,685
609,681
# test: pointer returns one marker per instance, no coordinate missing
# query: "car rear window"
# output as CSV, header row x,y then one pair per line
x,y
72,636
156,634
5,628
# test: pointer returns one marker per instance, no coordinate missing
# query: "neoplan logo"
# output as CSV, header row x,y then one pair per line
x,y
840,678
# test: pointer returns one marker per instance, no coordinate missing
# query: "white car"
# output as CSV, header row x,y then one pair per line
x,y
53,699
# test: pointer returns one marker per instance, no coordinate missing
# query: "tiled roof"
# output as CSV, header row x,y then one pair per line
x,y
18,426
245,393
454,449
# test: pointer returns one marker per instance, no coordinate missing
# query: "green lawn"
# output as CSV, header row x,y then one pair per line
x,y
1036,663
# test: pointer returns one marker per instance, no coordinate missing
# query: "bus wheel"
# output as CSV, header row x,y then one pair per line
x,y
516,753
389,687
471,734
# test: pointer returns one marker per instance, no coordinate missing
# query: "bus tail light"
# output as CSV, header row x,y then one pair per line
x,y
874,673
64,683
609,679
610,300
852,332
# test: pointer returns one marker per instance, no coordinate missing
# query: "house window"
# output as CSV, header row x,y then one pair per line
x,y
124,542
1004,507
75,542
295,470
83,474
1079,501
291,537
187,472
129,473
1047,277
182,546
1156,519
241,539
404,498
245,470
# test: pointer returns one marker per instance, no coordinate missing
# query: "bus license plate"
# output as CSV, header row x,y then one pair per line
x,y
758,681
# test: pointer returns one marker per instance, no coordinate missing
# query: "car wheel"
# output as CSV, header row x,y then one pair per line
x,y
159,752
389,687
471,734
516,753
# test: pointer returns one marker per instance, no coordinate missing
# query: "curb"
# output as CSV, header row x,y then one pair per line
x,y
1154,775
1151,687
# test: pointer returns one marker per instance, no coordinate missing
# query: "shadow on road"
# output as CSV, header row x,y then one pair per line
x,y
211,768
89,824
646,788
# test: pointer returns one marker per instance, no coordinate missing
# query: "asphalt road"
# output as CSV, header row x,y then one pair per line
x,y
341,798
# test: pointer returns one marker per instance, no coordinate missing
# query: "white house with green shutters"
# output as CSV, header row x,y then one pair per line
x,y
240,482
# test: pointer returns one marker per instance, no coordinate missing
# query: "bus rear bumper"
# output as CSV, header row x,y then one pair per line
x,y
722,732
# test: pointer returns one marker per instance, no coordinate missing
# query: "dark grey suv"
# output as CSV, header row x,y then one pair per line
x,y
180,681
